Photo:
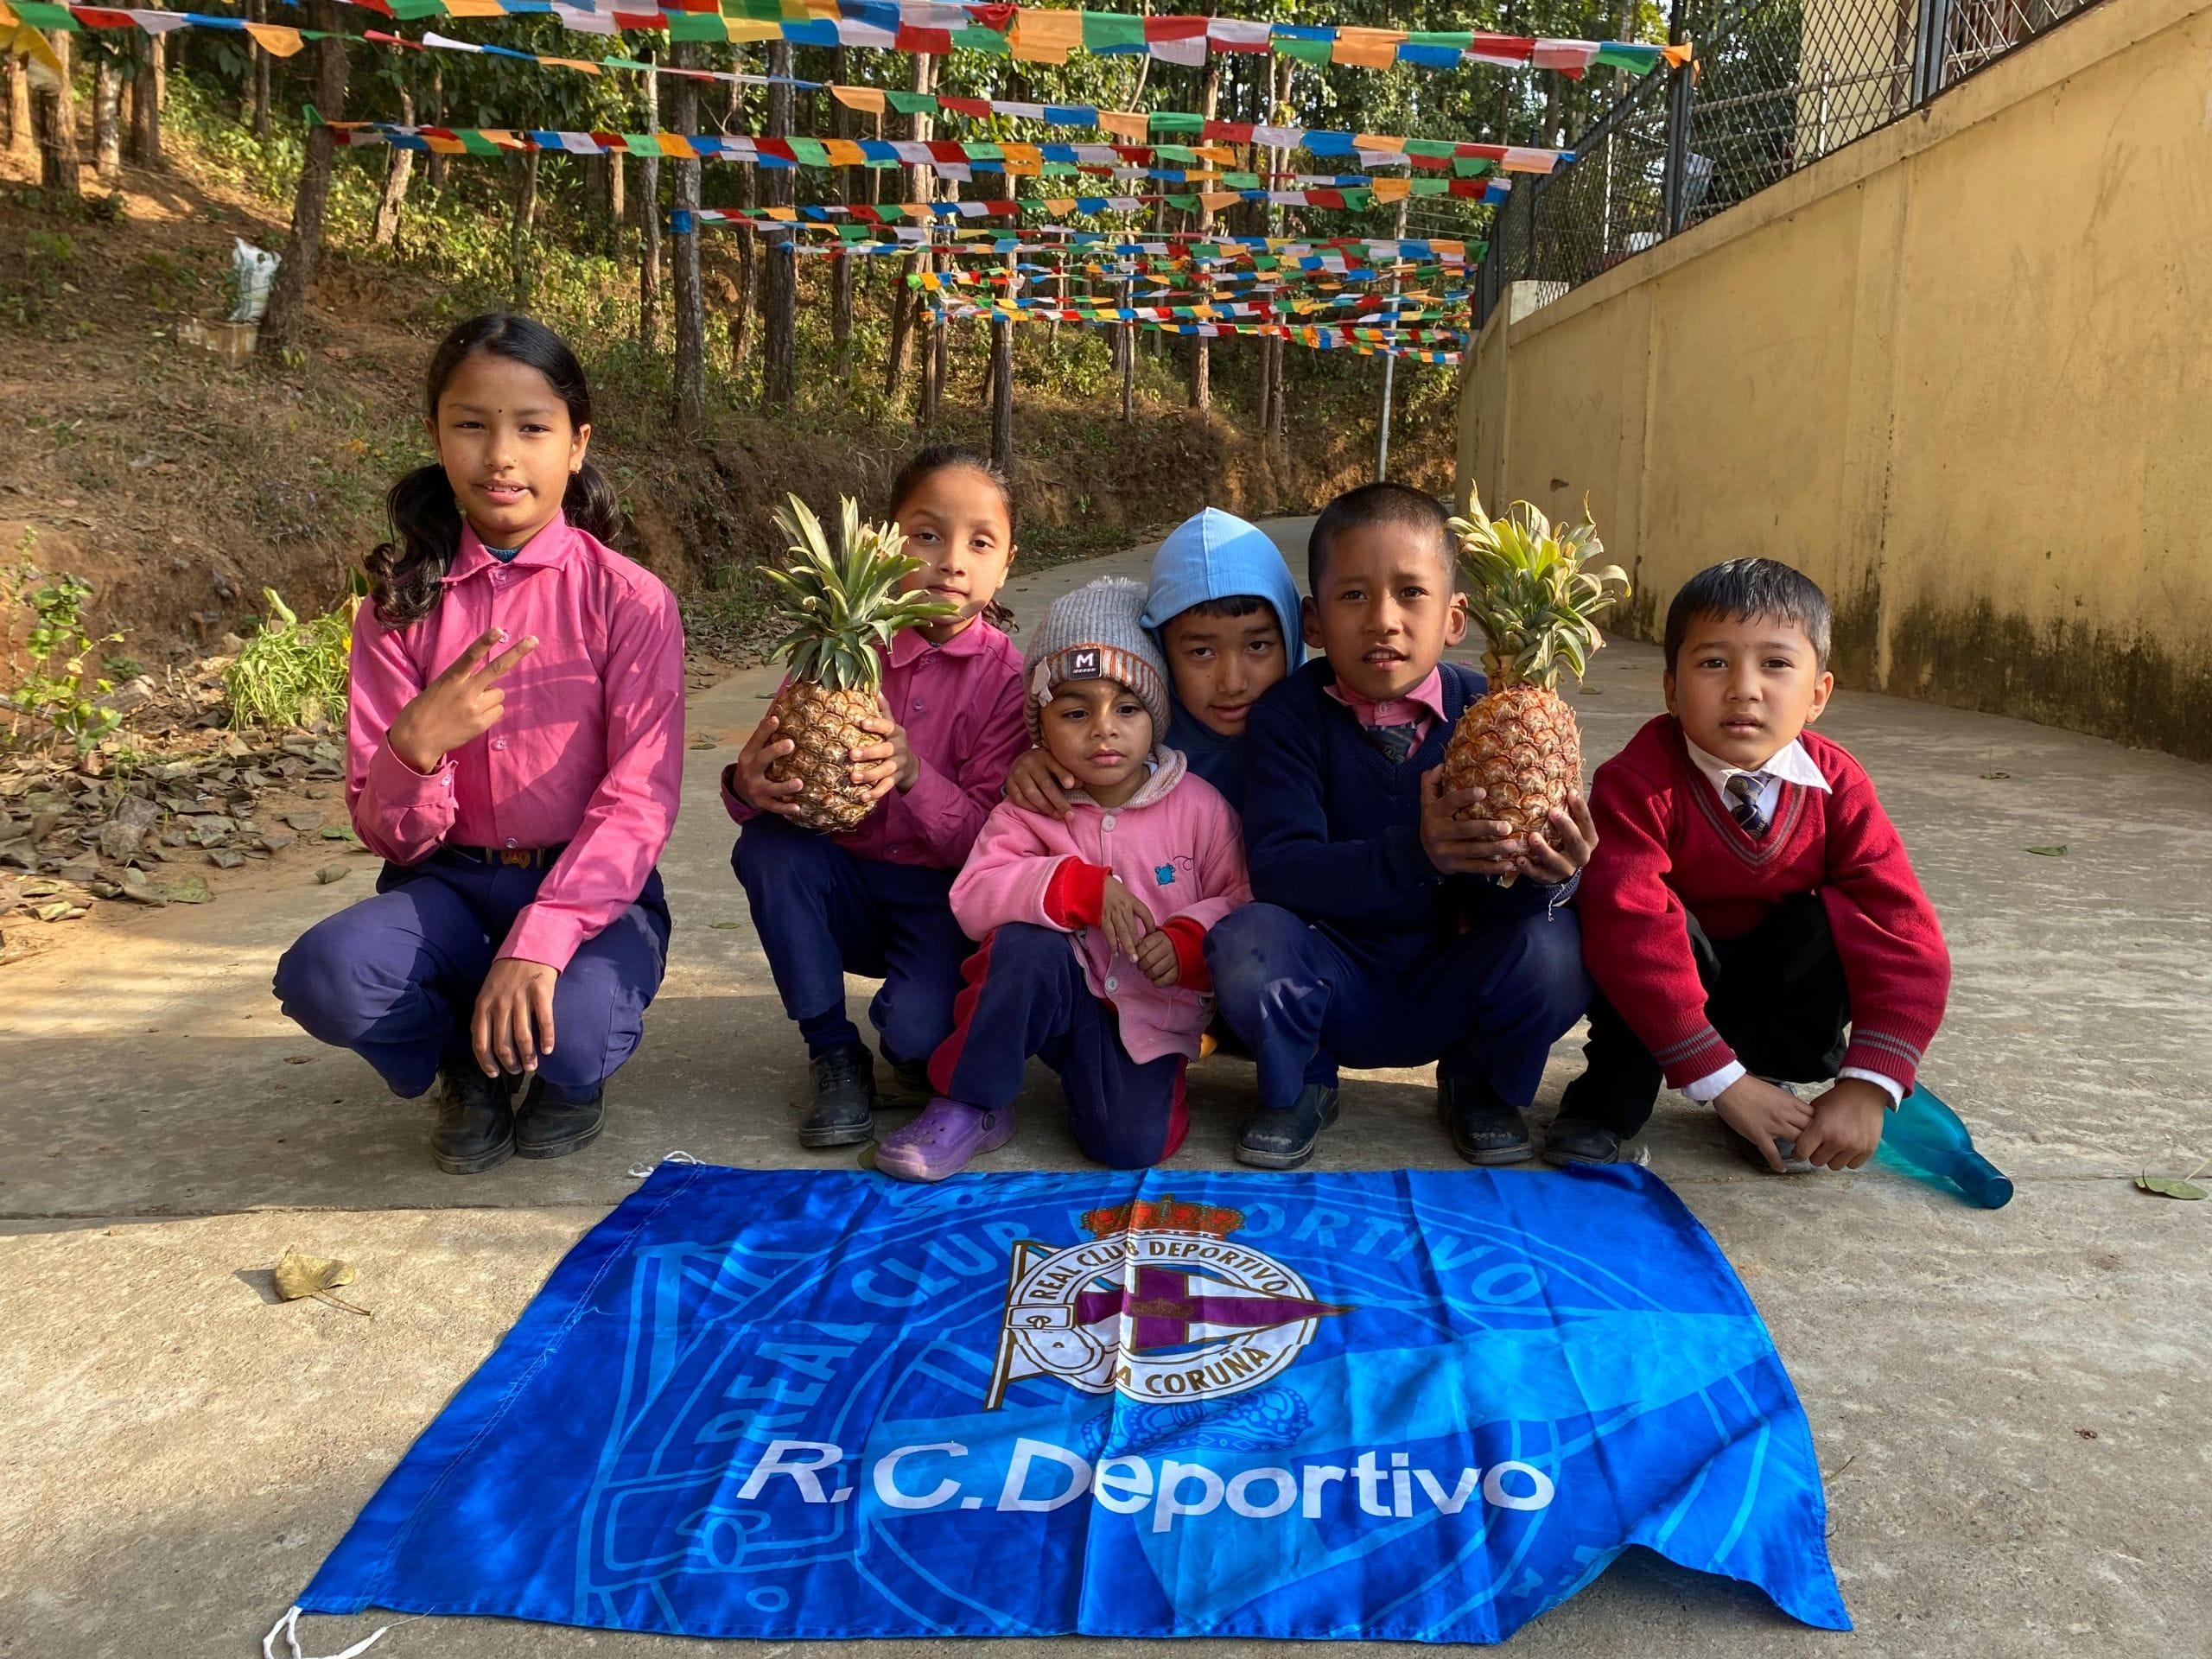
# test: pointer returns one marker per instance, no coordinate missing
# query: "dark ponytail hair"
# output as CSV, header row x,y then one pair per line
x,y
405,573
939,457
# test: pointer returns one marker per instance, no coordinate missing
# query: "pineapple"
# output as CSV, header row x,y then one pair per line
x,y
838,610
1536,606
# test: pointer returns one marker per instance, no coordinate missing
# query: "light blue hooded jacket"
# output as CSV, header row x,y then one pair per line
x,y
1212,556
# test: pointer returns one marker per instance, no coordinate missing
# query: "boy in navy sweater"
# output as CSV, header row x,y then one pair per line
x,y
1383,935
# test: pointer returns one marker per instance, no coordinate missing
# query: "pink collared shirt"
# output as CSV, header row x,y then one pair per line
x,y
590,751
961,705
1420,708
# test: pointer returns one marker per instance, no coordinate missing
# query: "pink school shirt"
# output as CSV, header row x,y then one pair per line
x,y
961,704
590,750
1420,708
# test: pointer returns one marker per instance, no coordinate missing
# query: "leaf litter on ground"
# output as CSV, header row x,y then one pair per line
x,y
2167,1187
296,1277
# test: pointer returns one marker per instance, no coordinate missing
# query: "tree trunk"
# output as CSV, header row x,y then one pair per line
x,y
1129,344
263,89
1275,358
149,81
618,208
779,284
940,344
288,296
522,217
57,167
690,304
1201,355
398,168
434,169
649,226
931,400
22,141
999,383
904,311
841,268
748,271
107,107
596,192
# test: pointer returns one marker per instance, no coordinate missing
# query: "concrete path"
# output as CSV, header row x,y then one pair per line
x,y
2014,1410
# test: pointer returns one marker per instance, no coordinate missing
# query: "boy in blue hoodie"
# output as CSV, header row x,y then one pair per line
x,y
1223,607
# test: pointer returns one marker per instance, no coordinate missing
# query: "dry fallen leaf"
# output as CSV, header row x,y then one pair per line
x,y
297,1276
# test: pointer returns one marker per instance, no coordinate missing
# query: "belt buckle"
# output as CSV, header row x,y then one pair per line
x,y
521,857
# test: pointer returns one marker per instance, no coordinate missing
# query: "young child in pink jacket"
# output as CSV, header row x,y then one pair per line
x,y
1092,928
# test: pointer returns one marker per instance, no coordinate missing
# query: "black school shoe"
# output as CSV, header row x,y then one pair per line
x,y
1485,1128
1573,1140
843,1111
476,1123
912,1076
552,1123
1285,1139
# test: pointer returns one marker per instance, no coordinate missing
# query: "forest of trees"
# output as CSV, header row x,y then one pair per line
x,y
624,200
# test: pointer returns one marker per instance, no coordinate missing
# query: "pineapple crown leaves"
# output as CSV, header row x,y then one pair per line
x,y
840,606
1530,589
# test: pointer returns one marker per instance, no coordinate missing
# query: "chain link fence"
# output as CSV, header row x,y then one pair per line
x,y
1777,84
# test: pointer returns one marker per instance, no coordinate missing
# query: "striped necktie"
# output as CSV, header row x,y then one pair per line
x,y
1747,787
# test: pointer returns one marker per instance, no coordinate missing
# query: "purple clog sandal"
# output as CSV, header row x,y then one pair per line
x,y
941,1140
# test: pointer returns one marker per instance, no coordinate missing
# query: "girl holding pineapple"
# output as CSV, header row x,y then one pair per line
x,y
862,789
514,749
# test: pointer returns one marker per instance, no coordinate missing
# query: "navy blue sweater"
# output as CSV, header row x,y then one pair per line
x,y
1332,827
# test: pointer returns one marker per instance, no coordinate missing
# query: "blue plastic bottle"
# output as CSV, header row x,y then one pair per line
x,y
1925,1137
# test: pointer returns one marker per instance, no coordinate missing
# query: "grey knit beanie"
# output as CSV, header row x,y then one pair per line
x,y
1096,633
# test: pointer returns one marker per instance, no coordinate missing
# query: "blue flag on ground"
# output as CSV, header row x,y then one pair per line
x,y
1414,1406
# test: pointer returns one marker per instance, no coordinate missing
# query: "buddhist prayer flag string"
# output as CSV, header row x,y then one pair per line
x,y
1433,346
1152,128
958,160
933,28
282,40
1182,244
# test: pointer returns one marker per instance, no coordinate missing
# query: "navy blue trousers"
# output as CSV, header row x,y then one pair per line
x,y
395,977
822,913
1488,1002
1025,994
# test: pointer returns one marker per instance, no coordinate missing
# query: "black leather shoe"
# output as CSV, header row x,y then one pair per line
x,y
912,1076
1485,1128
1573,1140
843,1111
552,1123
1284,1139
476,1124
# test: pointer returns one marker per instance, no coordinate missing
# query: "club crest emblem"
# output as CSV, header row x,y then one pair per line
x,y
1160,1304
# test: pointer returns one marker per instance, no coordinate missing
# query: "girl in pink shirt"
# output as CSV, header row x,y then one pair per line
x,y
518,930
874,899
1093,927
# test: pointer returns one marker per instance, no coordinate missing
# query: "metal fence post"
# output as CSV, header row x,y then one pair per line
x,y
1674,209
1931,48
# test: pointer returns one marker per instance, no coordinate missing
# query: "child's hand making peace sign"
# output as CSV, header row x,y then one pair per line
x,y
463,703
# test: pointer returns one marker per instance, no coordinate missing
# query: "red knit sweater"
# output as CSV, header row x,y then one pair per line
x,y
1666,844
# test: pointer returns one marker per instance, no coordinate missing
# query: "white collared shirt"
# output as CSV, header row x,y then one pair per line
x,y
1788,764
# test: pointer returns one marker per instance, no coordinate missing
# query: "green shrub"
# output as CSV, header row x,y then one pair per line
x,y
291,673
54,690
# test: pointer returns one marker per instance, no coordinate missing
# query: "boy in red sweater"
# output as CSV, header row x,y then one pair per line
x,y
1749,901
